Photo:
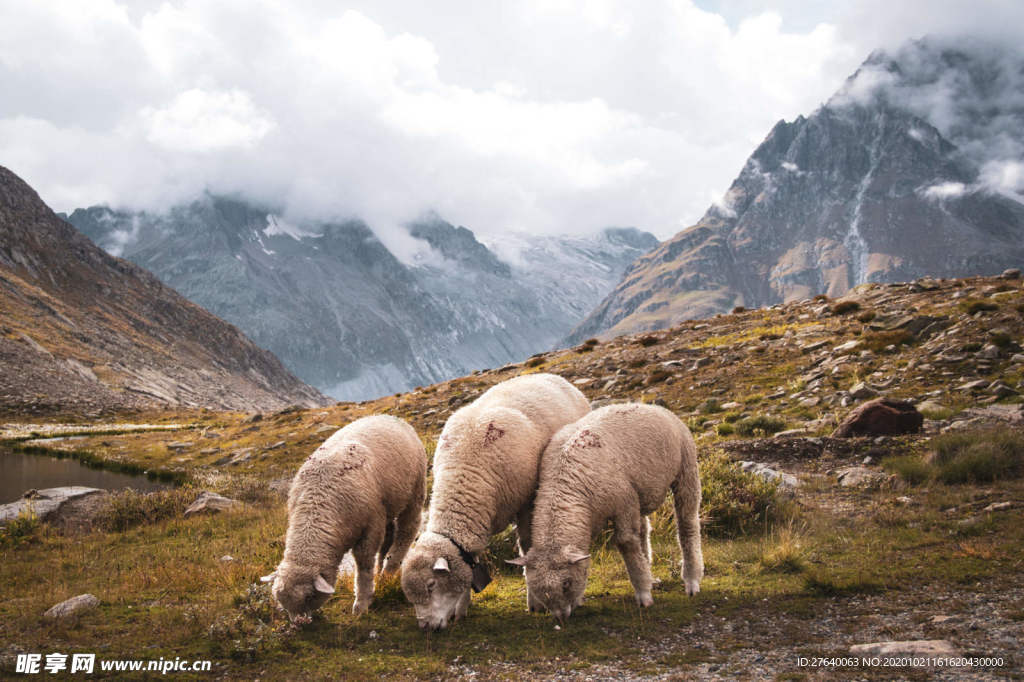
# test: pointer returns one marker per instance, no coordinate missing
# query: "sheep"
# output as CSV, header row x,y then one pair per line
x,y
485,475
361,490
616,463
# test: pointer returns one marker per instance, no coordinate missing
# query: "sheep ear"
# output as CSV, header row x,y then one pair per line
x,y
322,585
268,578
441,565
575,557
518,561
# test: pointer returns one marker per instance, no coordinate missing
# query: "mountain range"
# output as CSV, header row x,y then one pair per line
x,y
914,167
350,317
85,332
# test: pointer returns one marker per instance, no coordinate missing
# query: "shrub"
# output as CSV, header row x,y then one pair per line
x,y
1002,340
844,307
710,406
725,429
646,341
759,424
637,363
866,316
591,342
979,456
738,309
975,306
130,508
879,341
783,551
535,361
22,529
821,297
911,468
735,501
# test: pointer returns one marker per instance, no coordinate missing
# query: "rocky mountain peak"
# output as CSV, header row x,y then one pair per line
x,y
891,180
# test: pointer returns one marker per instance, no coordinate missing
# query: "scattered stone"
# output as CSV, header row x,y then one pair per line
x,y
847,347
275,446
763,470
977,385
45,503
72,607
732,405
1017,358
227,558
791,433
253,418
861,391
178,446
1011,273
920,647
209,451
931,406
998,506
880,417
210,502
989,352
1001,390
858,475
811,347
903,499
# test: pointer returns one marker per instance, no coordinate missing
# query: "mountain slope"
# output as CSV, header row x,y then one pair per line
x,y
83,331
344,313
863,190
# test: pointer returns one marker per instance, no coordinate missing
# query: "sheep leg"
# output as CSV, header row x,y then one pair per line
x,y
365,554
524,531
686,496
462,607
385,547
629,531
406,526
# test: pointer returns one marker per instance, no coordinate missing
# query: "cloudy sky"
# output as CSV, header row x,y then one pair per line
x,y
527,115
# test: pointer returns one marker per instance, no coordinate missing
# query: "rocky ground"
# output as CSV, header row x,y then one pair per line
x,y
875,557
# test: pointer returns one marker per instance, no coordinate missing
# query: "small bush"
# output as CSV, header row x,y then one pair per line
x,y
972,347
732,417
738,309
879,341
844,307
759,425
735,501
21,530
711,406
911,468
725,429
647,341
866,316
979,456
1002,340
591,342
637,363
534,362
129,508
821,297
783,551
975,306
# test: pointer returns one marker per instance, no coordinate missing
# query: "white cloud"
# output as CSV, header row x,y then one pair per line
x,y
540,116
945,190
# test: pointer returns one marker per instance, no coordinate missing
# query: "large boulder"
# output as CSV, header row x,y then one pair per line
x,y
881,417
210,503
45,503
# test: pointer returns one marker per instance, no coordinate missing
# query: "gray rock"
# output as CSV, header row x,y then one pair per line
x,y
858,475
72,607
1011,273
210,502
862,390
1001,390
919,647
784,479
977,385
45,503
998,506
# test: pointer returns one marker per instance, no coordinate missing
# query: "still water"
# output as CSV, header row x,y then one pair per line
x,y
20,472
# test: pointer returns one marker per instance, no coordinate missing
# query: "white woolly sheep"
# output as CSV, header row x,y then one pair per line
x,y
362,490
485,476
616,463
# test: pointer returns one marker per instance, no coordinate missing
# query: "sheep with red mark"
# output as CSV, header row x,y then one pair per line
x,y
485,477
615,464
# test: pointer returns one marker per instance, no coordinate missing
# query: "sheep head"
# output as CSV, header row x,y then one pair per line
x,y
437,581
300,590
556,578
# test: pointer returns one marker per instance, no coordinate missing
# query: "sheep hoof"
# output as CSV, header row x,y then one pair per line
x,y
360,607
644,599
692,587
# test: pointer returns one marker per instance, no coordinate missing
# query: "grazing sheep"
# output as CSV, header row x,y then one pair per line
x,y
485,476
616,463
362,490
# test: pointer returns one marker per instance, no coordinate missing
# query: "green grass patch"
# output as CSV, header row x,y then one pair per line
x,y
979,456
736,501
972,306
759,425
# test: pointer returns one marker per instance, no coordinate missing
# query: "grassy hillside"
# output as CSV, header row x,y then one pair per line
x,y
917,553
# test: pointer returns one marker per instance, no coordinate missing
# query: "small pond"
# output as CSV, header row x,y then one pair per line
x,y
20,472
